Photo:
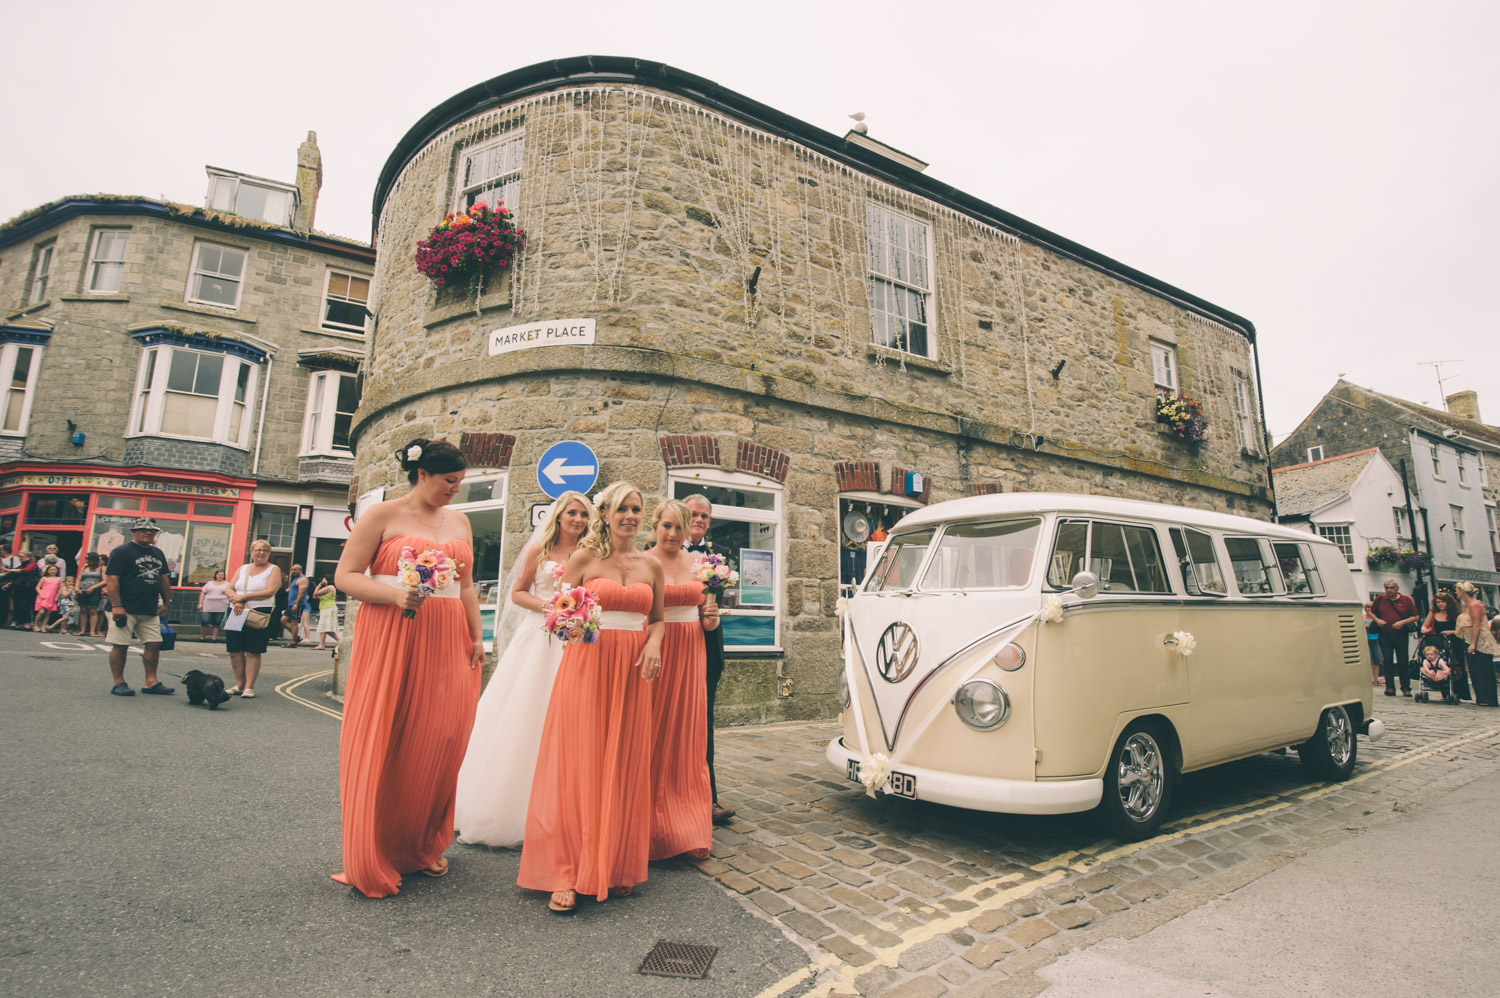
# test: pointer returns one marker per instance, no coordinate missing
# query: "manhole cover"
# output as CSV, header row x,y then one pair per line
x,y
678,960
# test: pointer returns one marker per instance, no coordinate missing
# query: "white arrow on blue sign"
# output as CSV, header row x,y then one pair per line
x,y
566,466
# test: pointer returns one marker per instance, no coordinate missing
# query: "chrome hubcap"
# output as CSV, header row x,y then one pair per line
x,y
1340,736
1140,776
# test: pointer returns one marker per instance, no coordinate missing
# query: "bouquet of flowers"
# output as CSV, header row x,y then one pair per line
x,y
572,615
426,572
714,572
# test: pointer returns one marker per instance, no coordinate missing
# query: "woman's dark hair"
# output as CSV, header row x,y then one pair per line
x,y
436,457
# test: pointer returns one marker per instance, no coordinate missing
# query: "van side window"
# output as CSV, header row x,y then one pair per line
x,y
992,555
1299,567
1201,573
1127,559
1068,553
1253,571
899,562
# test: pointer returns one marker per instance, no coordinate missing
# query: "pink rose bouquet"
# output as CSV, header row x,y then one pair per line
x,y
714,572
572,615
426,572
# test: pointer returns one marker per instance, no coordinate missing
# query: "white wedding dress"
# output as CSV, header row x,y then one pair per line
x,y
494,783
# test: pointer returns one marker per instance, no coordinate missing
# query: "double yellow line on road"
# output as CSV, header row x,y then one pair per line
x,y
289,688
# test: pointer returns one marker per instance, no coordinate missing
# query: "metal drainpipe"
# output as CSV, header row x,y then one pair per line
x,y
1265,431
260,427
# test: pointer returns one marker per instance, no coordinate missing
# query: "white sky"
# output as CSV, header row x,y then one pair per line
x,y
1325,169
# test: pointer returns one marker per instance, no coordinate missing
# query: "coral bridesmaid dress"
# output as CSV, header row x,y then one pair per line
x,y
682,805
408,710
588,823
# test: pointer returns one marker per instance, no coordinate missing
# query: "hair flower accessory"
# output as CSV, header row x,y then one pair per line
x,y
875,773
414,452
1186,643
1052,610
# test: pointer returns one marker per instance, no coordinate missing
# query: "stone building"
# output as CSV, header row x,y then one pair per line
x,y
716,297
197,363
1446,457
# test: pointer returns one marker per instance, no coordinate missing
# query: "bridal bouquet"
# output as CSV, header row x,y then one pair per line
x,y
572,615
714,572
426,572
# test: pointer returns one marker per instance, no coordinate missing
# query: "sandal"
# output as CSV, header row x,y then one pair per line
x,y
563,909
233,691
621,892
439,871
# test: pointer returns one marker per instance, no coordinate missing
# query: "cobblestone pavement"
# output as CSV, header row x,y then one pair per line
x,y
905,899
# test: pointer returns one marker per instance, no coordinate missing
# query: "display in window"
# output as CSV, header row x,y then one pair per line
x,y
757,577
109,533
208,552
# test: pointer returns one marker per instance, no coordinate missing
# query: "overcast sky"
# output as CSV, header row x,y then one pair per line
x,y
1326,169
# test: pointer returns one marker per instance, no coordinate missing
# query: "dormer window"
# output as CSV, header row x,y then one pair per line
x,y
264,200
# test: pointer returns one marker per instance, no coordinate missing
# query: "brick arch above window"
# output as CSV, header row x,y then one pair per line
x,y
680,450
758,459
857,476
983,489
487,450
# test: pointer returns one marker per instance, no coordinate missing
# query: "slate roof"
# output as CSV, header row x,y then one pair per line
x,y
1436,419
1303,489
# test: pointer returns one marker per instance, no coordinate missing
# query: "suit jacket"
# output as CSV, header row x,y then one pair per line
x,y
713,645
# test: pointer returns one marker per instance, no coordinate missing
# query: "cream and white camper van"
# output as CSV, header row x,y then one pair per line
x,y
1050,653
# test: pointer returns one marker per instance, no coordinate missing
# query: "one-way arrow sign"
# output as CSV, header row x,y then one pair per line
x,y
565,466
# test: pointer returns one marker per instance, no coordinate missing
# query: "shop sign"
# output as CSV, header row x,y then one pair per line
x,y
1479,575
126,484
549,333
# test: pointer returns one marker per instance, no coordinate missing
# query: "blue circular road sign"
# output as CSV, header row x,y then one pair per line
x,y
566,466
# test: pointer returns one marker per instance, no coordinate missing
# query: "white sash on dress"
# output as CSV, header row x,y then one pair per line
x,y
680,614
621,620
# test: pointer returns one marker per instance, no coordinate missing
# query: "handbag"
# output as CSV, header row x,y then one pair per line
x,y
257,620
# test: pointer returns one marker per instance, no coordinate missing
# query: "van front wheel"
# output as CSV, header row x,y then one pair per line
x,y
1138,782
1332,750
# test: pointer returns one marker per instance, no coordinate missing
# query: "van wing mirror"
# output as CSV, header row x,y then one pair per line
x,y
1086,585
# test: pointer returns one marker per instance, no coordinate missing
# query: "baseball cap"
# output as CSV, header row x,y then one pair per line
x,y
144,523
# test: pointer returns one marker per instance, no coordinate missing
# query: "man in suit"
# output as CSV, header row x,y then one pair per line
x,y
713,641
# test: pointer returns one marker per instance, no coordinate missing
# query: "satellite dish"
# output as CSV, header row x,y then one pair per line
x,y
856,526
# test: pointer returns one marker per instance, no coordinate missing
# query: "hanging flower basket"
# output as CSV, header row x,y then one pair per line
x,y
1414,561
463,247
1184,414
1382,556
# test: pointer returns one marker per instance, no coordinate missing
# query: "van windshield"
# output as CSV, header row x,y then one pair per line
x,y
899,562
993,555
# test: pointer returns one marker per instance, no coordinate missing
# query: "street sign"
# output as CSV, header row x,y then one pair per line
x,y
566,466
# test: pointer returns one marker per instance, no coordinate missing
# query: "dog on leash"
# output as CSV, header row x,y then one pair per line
x,y
204,688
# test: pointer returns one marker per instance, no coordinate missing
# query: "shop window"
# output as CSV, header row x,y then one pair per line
x,y
1254,568
1201,573
1164,365
900,279
193,393
746,530
491,173
41,272
217,276
1126,558
864,519
1299,568
66,508
119,502
109,532
20,361
213,509
206,550
166,506
344,299
7,533
106,269
332,398
264,202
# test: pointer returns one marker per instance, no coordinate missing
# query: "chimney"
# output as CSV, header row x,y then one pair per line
x,y
1465,405
309,181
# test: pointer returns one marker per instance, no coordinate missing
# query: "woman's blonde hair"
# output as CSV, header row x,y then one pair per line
x,y
677,508
260,542
597,538
1468,589
552,528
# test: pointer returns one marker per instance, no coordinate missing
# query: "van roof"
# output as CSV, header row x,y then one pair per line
x,y
1074,502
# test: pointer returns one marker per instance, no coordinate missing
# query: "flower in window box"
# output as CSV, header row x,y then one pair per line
x,y
465,245
1184,414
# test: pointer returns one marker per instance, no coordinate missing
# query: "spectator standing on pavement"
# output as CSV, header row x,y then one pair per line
x,y
10,567
1372,639
138,586
1440,629
48,588
67,610
90,593
713,641
1397,616
254,588
212,605
51,557
296,606
23,593
1480,643
328,611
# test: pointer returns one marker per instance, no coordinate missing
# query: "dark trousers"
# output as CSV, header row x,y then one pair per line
x,y
715,670
1482,678
1393,647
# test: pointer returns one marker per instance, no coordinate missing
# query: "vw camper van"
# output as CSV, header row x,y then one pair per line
x,y
1051,653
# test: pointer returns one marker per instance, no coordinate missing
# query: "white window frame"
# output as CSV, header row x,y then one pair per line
x,y
1342,535
511,146
1463,472
28,391
317,433
41,272
1493,522
1460,536
1484,471
924,288
499,494
1164,365
696,478
98,262
1437,463
150,399
194,273
328,296
236,184
1244,412
1318,448
1399,512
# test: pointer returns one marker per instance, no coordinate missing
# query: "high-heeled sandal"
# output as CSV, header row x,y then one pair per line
x,y
441,871
563,909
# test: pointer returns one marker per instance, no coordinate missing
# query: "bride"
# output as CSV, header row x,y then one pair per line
x,y
494,782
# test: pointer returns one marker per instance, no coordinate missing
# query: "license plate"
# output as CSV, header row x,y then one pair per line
x,y
900,785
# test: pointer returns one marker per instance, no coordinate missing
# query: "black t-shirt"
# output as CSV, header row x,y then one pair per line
x,y
141,570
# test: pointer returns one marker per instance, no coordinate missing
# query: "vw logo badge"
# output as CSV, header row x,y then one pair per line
x,y
896,654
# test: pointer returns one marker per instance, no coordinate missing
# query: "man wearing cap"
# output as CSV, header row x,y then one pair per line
x,y
137,582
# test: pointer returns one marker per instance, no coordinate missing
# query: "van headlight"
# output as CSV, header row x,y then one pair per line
x,y
1011,657
982,704
843,687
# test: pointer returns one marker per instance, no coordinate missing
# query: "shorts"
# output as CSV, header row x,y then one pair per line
x,y
211,618
142,627
90,601
251,640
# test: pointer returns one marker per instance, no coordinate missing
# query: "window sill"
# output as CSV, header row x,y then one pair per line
x,y
1253,455
182,306
195,440
347,455
907,359
342,334
499,298
754,653
99,297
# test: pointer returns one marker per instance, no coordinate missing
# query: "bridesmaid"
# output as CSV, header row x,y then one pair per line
x,y
413,681
588,823
682,807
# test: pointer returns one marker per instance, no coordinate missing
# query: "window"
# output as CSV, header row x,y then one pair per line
x,y
1403,526
1339,534
746,530
1460,538
1494,525
1437,464
1127,559
1244,412
491,173
260,201
218,275
900,280
344,301
106,268
897,569
19,363
1299,568
984,555
1201,573
191,393
1250,558
332,398
1484,472
1315,453
277,527
1164,365
41,270
1463,472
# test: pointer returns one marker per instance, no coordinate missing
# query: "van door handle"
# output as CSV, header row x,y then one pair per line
x,y
1169,641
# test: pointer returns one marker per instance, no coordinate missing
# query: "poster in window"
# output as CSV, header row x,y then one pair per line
x,y
208,552
757,577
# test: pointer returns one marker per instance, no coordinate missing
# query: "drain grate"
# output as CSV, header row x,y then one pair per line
x,y
678,960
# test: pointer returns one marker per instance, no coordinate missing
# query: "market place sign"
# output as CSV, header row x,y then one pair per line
x,y
124,484
550,333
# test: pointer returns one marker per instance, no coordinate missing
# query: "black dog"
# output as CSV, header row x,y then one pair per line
x,y
203,687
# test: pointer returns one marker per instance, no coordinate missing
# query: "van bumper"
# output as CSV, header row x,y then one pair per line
x,y
979,793
1373,729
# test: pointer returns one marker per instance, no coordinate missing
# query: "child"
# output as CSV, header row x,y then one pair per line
x,y
68,610
1434,667
47,588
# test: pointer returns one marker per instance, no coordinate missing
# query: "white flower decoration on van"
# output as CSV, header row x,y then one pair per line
x,y
875,773
1052,610
841,606
1186,643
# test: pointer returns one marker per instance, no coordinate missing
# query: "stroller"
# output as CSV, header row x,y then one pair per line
x,y
1441,688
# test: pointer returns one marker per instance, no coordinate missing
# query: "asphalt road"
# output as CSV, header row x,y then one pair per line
x,y
154,848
